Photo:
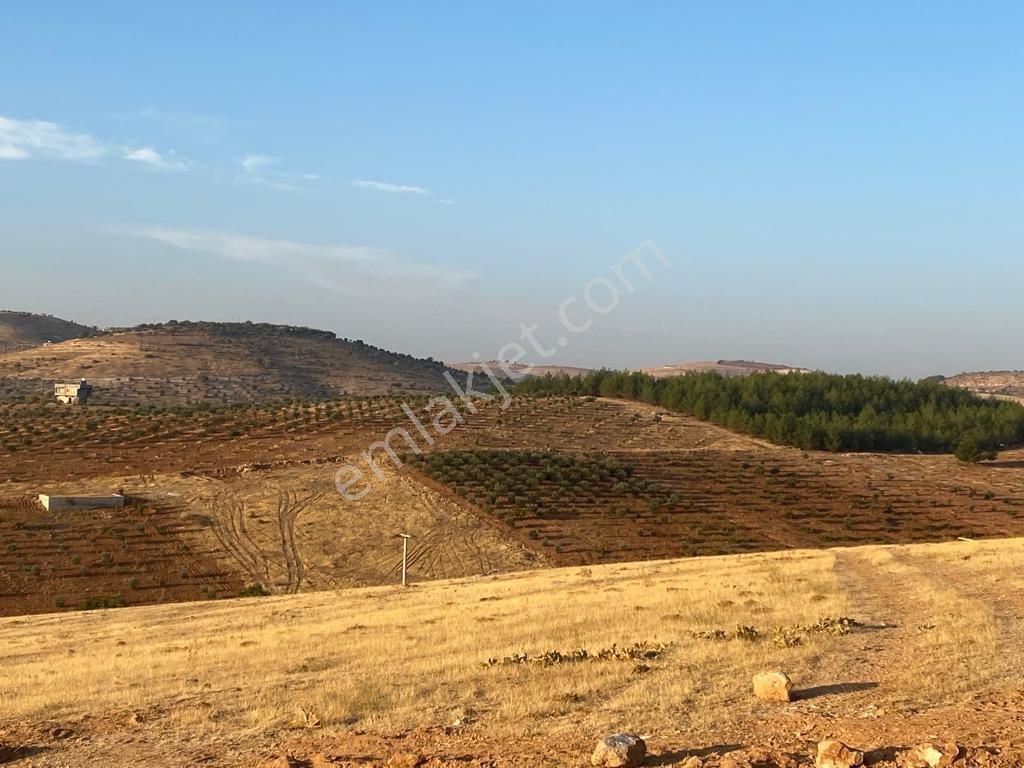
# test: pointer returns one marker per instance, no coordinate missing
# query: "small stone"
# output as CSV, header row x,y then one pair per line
x,y
935,756
692,762
406,760
835,754
773,686
621,750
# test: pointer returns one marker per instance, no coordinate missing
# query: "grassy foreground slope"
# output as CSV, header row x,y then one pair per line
x,y
820,411
352,678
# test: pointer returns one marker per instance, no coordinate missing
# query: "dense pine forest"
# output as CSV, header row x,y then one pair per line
x,y
818,410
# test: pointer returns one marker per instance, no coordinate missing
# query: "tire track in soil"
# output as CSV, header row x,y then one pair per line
x,y
1007,611
884,647
290,506
228,526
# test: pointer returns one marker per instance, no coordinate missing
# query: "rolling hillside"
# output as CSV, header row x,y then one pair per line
x,y
722,367
519,371
23,330
177,363
1005,385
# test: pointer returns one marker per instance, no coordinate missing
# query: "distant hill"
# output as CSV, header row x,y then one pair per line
x,y
189,362
1005,385
721,367
24,330
519,371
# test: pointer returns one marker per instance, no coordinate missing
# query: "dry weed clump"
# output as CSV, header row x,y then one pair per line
x,y
635,652
783,636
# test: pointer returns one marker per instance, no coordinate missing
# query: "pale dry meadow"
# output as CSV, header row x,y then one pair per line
x,y
387,659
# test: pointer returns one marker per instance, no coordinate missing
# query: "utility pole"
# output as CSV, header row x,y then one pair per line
x,y
405,557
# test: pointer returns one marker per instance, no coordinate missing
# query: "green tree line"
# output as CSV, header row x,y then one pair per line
x,y
818,411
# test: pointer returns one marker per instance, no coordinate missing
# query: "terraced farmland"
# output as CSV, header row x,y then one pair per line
x,y
563,480
101,559
50,441
605,507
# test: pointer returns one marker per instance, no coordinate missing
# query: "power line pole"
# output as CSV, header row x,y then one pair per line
x,y
405,557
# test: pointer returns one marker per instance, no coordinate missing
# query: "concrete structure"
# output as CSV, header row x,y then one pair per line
x,y
73,394
58,503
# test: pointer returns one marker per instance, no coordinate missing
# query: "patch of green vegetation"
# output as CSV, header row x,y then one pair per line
x,y
819,410
99,602
254,590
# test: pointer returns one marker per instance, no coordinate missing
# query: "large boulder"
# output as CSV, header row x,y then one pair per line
x,y
621,750
773,686
835,754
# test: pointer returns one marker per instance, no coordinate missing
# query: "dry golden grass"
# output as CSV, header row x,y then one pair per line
x,y
961,634
388,658
393,658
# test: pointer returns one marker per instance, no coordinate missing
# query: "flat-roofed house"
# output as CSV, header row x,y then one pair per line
x,y
73,394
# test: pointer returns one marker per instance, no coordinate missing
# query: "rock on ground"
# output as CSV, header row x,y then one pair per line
x,y
406,760
835,754
622,750
933,756
773,686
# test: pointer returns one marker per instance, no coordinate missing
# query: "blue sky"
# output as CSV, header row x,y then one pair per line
x,y
835,186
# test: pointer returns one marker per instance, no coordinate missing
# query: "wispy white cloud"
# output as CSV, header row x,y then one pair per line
x,y
27,139
400,189
256,163
384,186
265,169
24,139
13,152
349,269
150,157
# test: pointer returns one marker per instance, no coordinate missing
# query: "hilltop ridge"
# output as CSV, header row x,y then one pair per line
x,y
24,330
181,362
1003,385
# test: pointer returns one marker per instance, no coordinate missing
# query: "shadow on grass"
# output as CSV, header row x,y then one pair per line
x,y
834,689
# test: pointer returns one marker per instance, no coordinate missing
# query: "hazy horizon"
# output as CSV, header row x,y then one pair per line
x,y
835,188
